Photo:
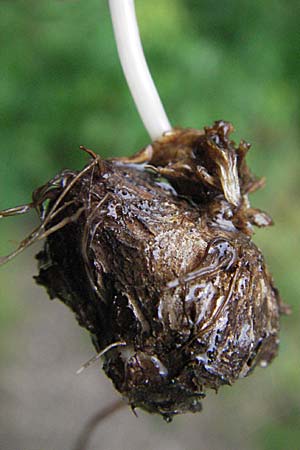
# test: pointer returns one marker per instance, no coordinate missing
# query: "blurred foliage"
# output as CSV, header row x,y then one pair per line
x,y
61,86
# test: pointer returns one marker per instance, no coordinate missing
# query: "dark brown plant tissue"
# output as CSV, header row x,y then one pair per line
x,y
154,255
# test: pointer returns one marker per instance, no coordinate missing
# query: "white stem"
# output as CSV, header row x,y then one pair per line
x,y
135,68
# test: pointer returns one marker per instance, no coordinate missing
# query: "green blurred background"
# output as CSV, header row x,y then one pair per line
x,y
61,86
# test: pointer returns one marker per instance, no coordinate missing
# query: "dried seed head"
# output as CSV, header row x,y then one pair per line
x,y
155,251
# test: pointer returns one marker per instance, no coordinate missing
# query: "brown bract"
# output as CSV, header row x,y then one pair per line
x,y
154,254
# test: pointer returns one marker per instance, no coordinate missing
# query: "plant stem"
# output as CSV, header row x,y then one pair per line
x,y
135,68
85,435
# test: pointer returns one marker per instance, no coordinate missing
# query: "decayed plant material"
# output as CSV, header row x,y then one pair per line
x,y
154,255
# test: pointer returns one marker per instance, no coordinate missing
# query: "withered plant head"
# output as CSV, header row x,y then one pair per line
x,y
154,255
154,252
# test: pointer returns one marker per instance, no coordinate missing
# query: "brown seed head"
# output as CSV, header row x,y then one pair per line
x,y
156,253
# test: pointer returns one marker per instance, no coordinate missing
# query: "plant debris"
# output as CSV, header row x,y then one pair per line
x,y
154,256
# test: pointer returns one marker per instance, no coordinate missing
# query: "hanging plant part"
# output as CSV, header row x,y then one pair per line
x,y
154,256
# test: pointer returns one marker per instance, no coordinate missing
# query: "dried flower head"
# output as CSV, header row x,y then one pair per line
x,y
154,255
